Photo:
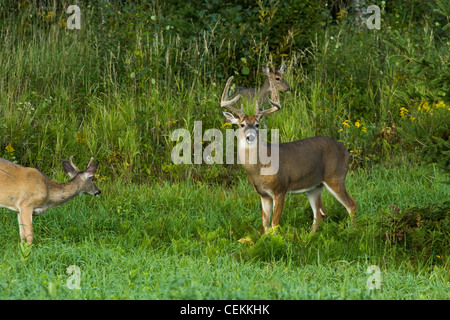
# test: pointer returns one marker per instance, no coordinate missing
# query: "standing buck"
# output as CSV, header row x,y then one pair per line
x,y
30,193
261,94
305,166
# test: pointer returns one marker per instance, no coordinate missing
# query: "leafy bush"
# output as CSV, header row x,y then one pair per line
x,y
423,231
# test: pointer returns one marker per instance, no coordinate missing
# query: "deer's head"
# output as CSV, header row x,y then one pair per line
x,y
84,179
248,125
277,77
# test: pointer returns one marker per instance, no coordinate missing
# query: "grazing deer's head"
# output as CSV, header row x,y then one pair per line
x,y
277,78
274,79
86,177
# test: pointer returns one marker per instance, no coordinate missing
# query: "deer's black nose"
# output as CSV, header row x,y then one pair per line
x,y
97,193
251,138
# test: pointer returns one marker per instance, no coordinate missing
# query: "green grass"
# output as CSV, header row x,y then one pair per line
x,y
117,89
180,241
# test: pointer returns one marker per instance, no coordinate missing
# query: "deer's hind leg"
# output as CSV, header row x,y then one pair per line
x,y
315,200
338,190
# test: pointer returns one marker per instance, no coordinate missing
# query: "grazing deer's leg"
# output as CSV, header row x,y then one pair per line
x,y
266,204
338,190
316,204
278,203
25,224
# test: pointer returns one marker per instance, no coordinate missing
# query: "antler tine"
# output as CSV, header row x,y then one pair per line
x,y
224,103
90,162
275,102
257,109
71,163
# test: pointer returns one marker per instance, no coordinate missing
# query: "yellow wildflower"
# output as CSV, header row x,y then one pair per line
x,y
440,104
99,177
49,16
346,123
246,240
9,149
357,124
81,137
425,106
403,112
226,125
363,129
342,14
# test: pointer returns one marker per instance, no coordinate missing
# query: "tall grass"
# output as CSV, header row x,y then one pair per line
x,y
68,92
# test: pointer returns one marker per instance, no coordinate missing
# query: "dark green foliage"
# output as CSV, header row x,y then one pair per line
x,y
421,231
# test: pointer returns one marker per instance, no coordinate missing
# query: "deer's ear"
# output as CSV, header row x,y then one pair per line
x,y
281,68
230,117
69,169
265,70
90,171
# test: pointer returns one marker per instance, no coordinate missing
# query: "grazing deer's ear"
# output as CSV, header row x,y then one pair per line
x,y
281,68
230,117
90,171
265,70
69,169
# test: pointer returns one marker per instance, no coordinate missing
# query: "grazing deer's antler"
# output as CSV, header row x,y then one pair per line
x,y
227,104
73,166
90,162
275,102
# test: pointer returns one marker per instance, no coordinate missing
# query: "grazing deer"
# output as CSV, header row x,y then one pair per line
x,y
261,95
30,193
305,166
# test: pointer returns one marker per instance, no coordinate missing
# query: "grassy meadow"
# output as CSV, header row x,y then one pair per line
x,y
117,88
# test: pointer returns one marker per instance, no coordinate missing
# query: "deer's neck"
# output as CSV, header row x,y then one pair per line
x,y
259,160
263,92
250,154
60,193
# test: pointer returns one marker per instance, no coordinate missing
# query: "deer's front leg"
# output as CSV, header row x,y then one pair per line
x,y
266,204
277,209
25,227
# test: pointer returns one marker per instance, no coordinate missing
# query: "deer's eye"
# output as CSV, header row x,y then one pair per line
x,y
277,78
242,125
